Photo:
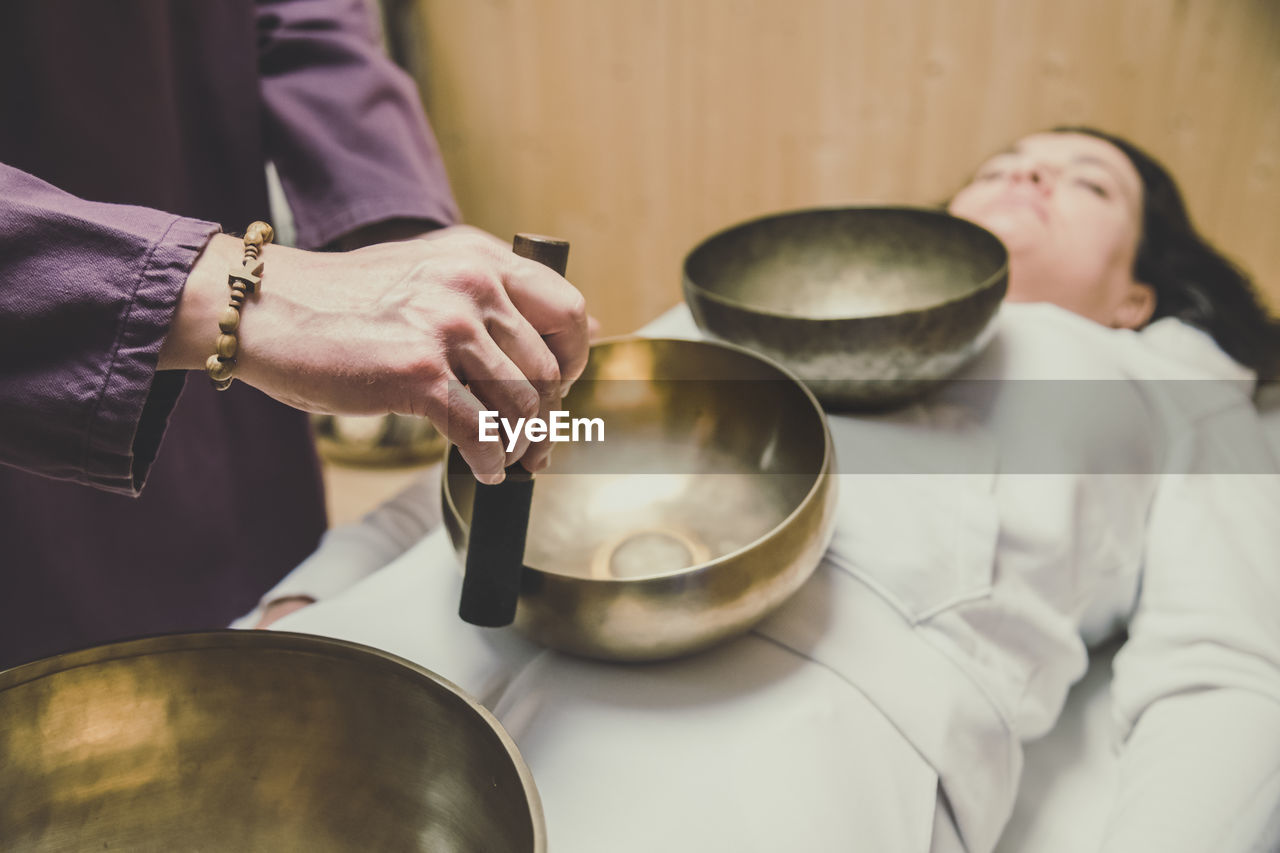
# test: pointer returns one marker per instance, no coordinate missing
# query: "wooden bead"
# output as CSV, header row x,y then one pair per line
x,y
257,234
246,276
227,346
218,369
229,320
237,299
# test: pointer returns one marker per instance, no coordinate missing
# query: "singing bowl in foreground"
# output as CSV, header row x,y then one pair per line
x,y
242,741
708,503
870,306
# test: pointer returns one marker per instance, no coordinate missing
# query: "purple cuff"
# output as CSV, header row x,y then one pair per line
x,y
133,409
89,292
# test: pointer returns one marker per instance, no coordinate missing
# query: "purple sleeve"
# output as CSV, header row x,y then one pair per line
x,y
344,126
87,292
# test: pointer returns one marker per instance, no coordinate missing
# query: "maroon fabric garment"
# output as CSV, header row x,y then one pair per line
x,y
171,106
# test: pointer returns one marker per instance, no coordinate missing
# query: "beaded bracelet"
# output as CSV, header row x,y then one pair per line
x,y
244,279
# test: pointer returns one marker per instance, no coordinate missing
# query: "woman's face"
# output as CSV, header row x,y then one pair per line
x,y
1069,209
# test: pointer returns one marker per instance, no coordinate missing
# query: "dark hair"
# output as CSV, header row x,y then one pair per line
x,y
1193,281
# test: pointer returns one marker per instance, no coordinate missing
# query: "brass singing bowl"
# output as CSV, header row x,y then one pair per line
x,y
245,741
870,306
708,503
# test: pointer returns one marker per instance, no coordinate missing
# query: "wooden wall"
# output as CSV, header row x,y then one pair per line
x,y
634,128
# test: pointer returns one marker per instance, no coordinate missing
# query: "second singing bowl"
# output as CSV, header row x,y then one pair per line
x,y
870,306
235,741
708,503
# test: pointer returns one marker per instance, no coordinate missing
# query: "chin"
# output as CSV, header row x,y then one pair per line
x,y
1012,229
1016,232
1028,281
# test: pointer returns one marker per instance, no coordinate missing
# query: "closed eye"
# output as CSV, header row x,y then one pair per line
x,y
1094,187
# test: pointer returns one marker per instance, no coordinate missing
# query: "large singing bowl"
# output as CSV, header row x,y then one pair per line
x,y
707,504
870,306
229,742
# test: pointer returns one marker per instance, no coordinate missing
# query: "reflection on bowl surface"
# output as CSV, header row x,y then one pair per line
x,y
648,525
253,740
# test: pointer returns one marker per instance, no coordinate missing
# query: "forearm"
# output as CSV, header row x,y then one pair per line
x,y
1199,772
1197,685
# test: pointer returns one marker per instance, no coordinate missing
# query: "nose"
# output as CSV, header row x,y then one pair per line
x,y
1033,172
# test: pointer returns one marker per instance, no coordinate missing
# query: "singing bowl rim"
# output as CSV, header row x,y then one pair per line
x,y
824,470
700,291
224,639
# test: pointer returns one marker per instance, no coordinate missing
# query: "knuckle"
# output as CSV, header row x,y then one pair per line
x,y
458,327
474,282
547,378
417,369
576,309
527,402
461,422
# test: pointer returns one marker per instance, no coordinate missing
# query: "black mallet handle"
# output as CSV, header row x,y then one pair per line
x,y
500,513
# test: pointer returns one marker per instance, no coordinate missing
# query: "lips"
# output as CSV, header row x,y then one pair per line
x,y
1015,198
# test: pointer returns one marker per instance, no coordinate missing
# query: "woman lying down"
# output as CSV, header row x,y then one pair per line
x,y
883,707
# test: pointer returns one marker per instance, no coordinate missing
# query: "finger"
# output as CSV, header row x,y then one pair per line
x,y
538,454
555,309
517,337
455,411
500,385
526,348
281,608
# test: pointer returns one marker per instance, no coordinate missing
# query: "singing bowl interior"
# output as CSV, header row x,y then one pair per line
x,y
235,741
866,304
703,508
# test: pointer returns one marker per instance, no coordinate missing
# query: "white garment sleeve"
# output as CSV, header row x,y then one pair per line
x,y
1197,686
351,552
